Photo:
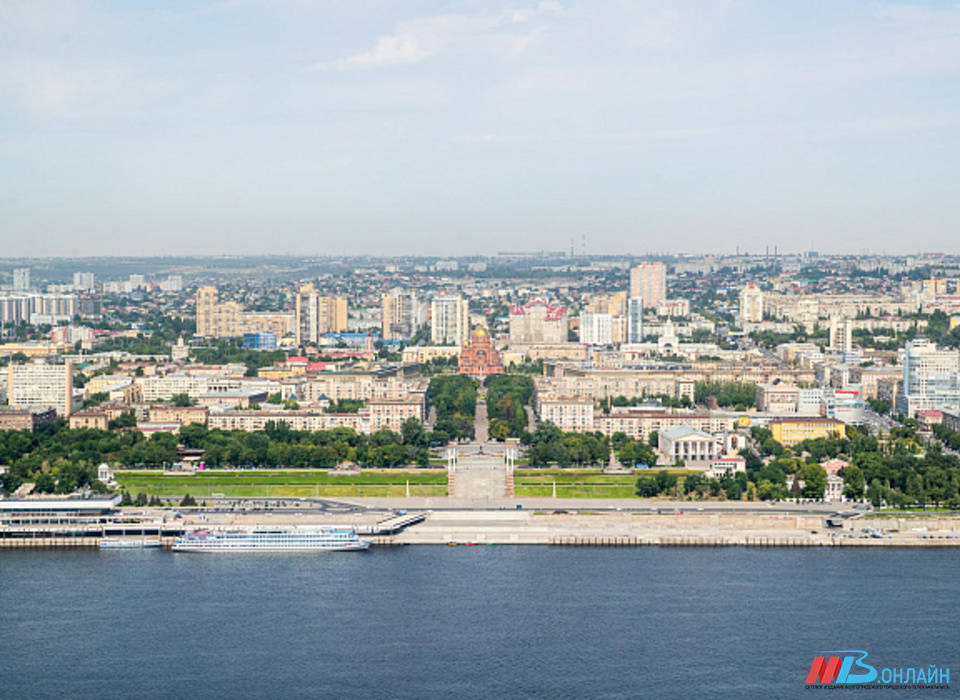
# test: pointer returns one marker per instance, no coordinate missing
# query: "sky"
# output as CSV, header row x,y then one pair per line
x,y
470,128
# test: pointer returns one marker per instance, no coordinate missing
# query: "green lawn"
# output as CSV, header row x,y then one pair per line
x,y
578,483
274,484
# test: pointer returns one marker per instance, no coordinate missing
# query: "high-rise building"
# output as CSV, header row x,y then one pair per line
x,y
21,279
538,322
931,378
38,384
449,319
15,308
53,308
596,329
173,283
333,314
216,319
83,281
318,315
137,282
841,334
207,302
401,317
635,320
308,315
614,304
648,280
751,304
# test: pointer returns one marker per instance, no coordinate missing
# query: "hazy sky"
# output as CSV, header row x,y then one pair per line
x,y
472,127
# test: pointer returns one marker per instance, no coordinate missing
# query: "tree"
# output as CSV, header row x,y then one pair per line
x,y
127,419
814,481
181,400
853,482
413,433
188,500
647,486
875,493
45,483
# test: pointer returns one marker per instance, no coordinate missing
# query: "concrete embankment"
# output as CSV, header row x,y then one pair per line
x,y
608,528
627,529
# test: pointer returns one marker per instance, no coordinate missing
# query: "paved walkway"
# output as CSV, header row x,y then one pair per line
x,y
481,425
480,476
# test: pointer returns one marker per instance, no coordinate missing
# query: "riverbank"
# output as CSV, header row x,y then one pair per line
x,y
622,529
580,527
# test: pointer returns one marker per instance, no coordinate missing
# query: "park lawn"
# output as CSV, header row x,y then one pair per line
x,y
580,483
577,491
289,484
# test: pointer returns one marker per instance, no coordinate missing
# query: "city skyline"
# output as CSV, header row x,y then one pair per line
x,y
455,128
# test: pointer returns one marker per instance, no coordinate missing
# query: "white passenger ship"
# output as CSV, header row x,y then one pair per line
x,y
271,540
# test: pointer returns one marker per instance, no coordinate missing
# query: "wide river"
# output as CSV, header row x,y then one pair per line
x,y
468,622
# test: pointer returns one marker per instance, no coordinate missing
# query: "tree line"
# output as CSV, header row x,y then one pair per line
x,y
454,397
507,396
59,459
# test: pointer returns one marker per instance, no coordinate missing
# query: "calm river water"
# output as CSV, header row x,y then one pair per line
x,y
467,622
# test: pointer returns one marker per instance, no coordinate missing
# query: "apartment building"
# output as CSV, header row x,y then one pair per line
x,y
570,414
318,315
92,418
40,384
449,319
931,378
401,315
751,304
184,415
777,398
216,319
25,418
390,414
648,280
596,328
538,322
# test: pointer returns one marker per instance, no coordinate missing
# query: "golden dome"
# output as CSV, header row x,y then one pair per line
x,y
480,332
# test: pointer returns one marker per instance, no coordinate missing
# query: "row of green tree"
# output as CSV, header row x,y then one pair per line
x,y
507,396
896,469
550,445
738,394
59,459
454,397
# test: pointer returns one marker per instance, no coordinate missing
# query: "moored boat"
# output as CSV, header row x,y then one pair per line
x,y
272,540
129,543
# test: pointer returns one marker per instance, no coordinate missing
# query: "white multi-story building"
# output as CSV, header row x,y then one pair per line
x,y
449,319
37,308
596,329
137,282
173,283
401,315
21,279
83,281
841,334
931,378
751,304
538,322
38,384
570,414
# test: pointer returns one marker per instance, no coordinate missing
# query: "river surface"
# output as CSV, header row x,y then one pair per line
x,y
468,622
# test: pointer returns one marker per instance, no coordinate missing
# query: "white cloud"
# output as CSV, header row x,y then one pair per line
x,y
420,39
